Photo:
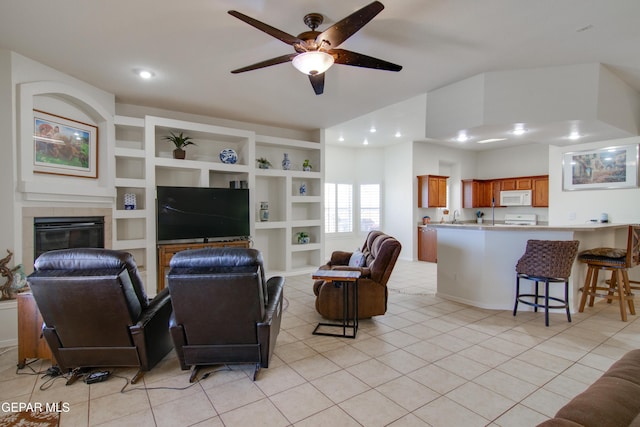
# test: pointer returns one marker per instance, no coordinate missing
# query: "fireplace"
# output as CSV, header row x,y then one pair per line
x,y
51,233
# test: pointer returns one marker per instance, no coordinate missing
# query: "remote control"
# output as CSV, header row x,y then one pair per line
x,y
96,377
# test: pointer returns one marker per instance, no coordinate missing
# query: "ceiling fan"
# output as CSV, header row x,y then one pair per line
x,y
316,51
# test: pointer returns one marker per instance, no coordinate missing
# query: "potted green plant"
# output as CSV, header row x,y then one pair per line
x,y
263,163
180,141
306,166
303,237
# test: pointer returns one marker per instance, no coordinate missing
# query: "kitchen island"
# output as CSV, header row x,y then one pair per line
x,y
476,262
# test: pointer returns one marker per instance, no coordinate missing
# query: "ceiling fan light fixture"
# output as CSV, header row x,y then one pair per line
x,y
312,63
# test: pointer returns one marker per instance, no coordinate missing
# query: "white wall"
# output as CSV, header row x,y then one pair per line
x,y
8,318
398,200
353,166
588,92
620,204
507,162
7,160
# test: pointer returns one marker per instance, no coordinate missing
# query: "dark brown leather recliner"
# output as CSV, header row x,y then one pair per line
x,y
96,312
381,252
224,310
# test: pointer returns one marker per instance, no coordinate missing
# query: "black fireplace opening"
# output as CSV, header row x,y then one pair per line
x,y
51,233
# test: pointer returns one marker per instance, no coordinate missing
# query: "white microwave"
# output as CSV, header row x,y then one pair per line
x,y
515,198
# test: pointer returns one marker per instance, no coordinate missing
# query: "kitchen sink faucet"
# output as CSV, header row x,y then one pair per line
x,y
455,212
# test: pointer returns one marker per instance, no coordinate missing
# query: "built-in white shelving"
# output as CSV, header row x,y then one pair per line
x,y
131,227
291,211
144,160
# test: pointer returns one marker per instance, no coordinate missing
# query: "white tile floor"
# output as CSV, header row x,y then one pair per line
x,y
427,362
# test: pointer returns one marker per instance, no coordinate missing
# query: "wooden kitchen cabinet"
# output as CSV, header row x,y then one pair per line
x,y
507,184
432,191
524,184
519,183
541,192
427,244
471,193
494,194
478,193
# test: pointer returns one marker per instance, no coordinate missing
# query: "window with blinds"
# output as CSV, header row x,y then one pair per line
x,y
369,207
338,208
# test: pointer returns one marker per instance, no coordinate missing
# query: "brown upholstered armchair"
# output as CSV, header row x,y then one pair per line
x,y
224,310
96,312
380,252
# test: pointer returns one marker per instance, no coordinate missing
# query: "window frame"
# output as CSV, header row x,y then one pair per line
x,y
336,208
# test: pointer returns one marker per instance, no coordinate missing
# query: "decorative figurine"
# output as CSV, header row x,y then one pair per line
x,y
286,163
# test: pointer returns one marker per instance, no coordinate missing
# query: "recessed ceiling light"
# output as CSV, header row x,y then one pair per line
x,y
398,134
574,135
144,74
486,141
373,129
519,129
341,139
462,137
365,142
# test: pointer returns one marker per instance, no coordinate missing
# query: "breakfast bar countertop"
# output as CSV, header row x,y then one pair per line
x,y
500,226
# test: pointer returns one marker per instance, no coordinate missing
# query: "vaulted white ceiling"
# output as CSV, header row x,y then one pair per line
x,y
192,46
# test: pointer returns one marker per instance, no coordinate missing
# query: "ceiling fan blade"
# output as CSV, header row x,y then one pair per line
x,y
345,28
317,81
347,57
272,31
273,61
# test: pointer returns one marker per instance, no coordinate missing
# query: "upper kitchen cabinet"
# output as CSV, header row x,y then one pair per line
x,y
476,193
482,193
541,191
472,193
516,184
432,191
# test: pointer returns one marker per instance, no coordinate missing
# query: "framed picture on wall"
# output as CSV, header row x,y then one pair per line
x,y
63,146
604,168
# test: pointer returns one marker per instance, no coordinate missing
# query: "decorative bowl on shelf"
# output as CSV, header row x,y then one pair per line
x,y
228,156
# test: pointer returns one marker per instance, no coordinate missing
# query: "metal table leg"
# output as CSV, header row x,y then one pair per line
x,y
347,323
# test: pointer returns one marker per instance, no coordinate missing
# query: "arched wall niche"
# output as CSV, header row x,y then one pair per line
x,y
69,102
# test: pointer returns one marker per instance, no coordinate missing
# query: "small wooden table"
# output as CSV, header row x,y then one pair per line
x,y
31,343
347,279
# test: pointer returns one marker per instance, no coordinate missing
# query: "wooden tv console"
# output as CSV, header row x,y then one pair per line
x,y
167,251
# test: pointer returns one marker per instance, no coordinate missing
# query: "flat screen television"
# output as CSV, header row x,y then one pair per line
x,y
202,213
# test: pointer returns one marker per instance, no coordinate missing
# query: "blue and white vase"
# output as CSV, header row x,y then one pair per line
x,y
129,201
264,211
286,163
228,156
303,189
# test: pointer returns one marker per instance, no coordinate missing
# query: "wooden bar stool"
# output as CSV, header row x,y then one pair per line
x,y
547,261
618,261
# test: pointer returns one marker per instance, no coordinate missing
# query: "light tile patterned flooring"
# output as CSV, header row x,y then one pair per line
x,y
427,362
